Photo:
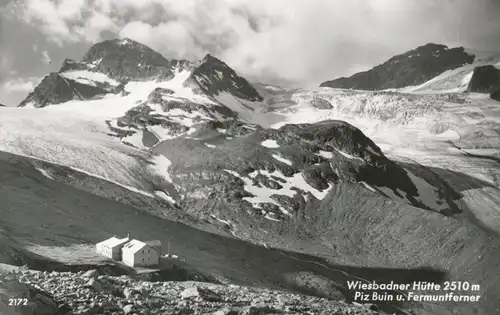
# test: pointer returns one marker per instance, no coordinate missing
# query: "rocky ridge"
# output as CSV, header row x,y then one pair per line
x,y
91,293
411,68
56,88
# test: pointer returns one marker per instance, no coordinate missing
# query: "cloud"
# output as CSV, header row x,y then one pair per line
x,y
44,54
63,20
278,40
21,85
45,57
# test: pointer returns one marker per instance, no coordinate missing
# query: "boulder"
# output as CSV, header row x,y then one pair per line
x,y
127,309
199,293
95,285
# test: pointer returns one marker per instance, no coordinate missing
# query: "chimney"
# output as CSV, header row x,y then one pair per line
x,y
128,236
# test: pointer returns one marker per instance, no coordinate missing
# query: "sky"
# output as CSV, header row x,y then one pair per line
x,y
283,42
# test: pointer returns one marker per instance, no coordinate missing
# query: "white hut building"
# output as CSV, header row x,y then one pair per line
x,y
141,254
112,247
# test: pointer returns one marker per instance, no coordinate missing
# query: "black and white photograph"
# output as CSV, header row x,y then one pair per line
x,y
249,157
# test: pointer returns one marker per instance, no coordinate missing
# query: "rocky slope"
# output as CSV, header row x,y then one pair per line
x,y
411,68
288,169
90,293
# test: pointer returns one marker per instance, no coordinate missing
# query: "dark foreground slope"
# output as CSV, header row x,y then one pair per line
x,y
37,211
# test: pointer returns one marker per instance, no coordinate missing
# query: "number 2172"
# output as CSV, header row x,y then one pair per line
x,y
18,302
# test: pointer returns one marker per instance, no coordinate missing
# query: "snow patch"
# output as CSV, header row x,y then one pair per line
x,y
325,154
482,152
135,139
220,220
263,194
269,217
370,149
160,166
124,41
45,173
164,196
449,135
272,144
282,159
89,77
351,157
369,187
219,74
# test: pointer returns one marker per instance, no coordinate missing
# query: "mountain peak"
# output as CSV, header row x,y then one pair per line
x,y
411,68
126,59
214,76
210,58
126,41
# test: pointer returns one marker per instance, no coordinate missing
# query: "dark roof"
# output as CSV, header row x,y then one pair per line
x,y
153,243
